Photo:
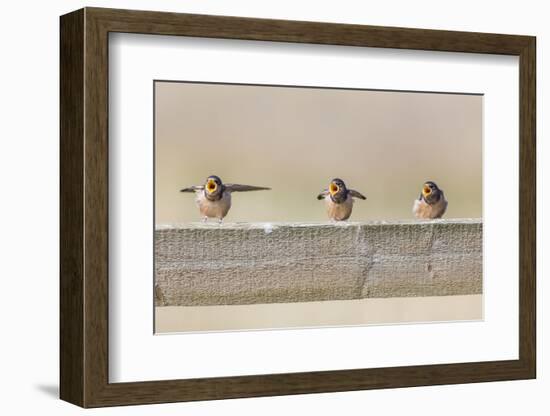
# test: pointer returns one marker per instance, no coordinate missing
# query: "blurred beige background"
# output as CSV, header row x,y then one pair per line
x,y
313,314
384,144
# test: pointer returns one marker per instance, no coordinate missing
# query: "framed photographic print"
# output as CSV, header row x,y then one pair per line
x,y
255,207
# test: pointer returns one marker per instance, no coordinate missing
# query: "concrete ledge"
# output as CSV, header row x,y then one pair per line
x,y
235,264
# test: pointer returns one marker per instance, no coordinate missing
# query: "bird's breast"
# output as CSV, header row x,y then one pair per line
x,y
341,211
423,210
214,209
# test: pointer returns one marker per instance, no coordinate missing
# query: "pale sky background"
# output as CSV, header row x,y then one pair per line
x,y
294,140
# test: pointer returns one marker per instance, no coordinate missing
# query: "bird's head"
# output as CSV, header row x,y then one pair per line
x,y
213,185
430,192
337,189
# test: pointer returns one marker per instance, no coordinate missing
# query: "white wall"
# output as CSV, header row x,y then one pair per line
x,y
29,204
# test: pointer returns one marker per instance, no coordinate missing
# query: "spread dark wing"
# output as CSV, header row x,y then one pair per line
x,y
193,188
235,187
322,195
356,194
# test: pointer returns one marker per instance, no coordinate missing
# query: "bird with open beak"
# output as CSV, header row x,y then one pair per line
x,y
431,203
339,200
214,197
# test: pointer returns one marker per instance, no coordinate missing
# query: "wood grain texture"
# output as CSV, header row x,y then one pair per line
x,y
528,209
227,27
96,209
71,322
236,264
84,204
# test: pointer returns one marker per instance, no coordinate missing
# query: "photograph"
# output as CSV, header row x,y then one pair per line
x,y
296,206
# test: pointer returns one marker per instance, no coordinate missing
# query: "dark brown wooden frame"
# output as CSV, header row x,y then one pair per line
x,y
84,207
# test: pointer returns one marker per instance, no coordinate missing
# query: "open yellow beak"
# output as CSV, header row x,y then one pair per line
x,y
333,188
426,190
211,186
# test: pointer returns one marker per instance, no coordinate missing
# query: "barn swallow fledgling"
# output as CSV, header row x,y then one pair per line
x,y
339,200
214,197
431,203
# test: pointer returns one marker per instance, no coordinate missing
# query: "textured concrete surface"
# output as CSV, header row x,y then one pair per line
x,y
232,264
